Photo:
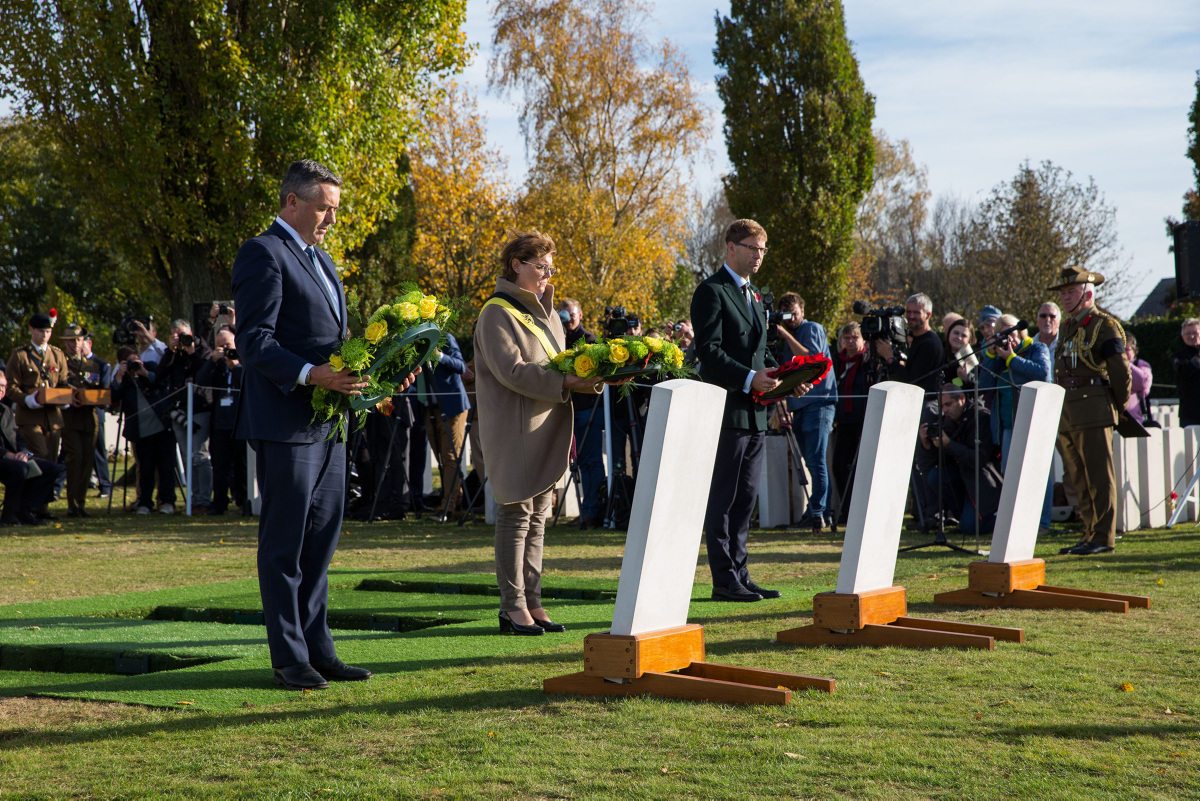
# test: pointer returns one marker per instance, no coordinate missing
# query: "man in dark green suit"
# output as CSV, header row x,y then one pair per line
x,y
731,347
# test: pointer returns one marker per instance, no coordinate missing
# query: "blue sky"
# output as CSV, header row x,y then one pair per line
x,y
1100,88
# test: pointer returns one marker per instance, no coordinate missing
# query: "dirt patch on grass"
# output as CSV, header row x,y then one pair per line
x,y
20,716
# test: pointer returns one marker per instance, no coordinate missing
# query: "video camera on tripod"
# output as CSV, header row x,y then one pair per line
x,y
885,323
774,317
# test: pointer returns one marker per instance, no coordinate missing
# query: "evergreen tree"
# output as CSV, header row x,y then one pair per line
x,y
798,132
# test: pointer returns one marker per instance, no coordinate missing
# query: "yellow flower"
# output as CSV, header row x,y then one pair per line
x,y
617,353
677,357
409,312
336,362
563,356
654,344
428,307
584,366
376,331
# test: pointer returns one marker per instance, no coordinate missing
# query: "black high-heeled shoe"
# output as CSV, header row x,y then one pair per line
x,y
510,626
549,626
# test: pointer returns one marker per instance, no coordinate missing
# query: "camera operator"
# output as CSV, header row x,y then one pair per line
x,y
626,414
221,317
186,354
683,335
144,403
851,410
957,443
223,371
925,353
150,349
812,415
589,425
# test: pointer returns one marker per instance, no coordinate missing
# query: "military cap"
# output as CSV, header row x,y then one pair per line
x,y
40,320
75,331
1078,275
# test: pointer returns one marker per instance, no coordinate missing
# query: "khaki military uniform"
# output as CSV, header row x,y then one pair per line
x,y
1091,364
79,433
27,370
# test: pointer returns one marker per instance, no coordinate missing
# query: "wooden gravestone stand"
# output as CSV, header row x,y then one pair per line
x,y
866,608
651,649
1011,577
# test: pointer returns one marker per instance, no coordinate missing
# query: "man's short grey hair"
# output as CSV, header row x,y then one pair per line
x,y
180,325
923,299
303,179
1189,321
1052,305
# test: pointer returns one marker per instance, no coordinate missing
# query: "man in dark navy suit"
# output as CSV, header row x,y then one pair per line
x,y
731,346
291,317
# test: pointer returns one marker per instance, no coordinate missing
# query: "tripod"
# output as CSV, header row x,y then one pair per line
x,y
617,469
576,473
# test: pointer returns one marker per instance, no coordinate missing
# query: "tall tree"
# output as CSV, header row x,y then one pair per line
x,y
798,133
464,207
1191,198
175,120
610,122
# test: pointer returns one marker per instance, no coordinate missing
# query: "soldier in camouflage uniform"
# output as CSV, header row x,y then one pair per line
x,y
1091,364
79,422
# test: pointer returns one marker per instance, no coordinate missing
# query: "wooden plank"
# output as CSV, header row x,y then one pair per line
x,y
1135,601
761,678
970,598
53,396
1041,598
670,685
873,635
853,610
95,397
999,632
620,656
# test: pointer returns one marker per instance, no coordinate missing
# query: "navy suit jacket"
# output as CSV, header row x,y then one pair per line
x,y
285,320
447,379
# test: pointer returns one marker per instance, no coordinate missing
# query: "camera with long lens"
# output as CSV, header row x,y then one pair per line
x,y
231,354
186,339
126,331
884,323
774,317
618,322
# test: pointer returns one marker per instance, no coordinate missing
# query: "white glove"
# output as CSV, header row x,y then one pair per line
x,y
31,401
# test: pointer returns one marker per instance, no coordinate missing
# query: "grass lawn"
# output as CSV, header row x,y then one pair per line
x,y
457,710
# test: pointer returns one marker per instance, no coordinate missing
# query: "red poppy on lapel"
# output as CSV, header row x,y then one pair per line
x,y
758,297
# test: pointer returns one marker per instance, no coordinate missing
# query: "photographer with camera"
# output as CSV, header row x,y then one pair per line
x,y
589,425
812,415
223,371
186,354
143,403
958,474
851,411
628,415
925,352
221,317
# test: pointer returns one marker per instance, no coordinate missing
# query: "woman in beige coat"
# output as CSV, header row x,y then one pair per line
x,y
525,421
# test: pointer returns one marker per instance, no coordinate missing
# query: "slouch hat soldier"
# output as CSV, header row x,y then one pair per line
x,y
1090,363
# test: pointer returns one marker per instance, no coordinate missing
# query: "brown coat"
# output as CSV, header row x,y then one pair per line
x,y
524,414
24,378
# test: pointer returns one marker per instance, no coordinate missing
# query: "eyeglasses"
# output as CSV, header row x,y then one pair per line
x,y
545,269
761,251
1047,316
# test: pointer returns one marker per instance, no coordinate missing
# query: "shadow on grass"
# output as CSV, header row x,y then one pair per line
x,y
1084,731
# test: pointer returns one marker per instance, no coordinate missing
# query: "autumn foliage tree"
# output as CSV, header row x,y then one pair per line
x,y
610,123
464,208
176,120
798,134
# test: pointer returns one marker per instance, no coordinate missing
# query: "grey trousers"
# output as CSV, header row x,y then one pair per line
x,y
520,529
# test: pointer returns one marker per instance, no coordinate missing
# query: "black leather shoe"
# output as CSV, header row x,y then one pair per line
x,y
337,670
10,520
29,519
735,593
1071,548
300,677
1089,548
765,593
510,626
549,626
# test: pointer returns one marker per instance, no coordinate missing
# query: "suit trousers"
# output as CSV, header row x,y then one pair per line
x,y
25,494
303,488
520,533
731,498
1087,456
446,435
79,452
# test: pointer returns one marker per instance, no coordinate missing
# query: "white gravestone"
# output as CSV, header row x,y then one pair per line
x,y
1152,485
1174,465
667,519
774,503
1030,458
1125,468
880,487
